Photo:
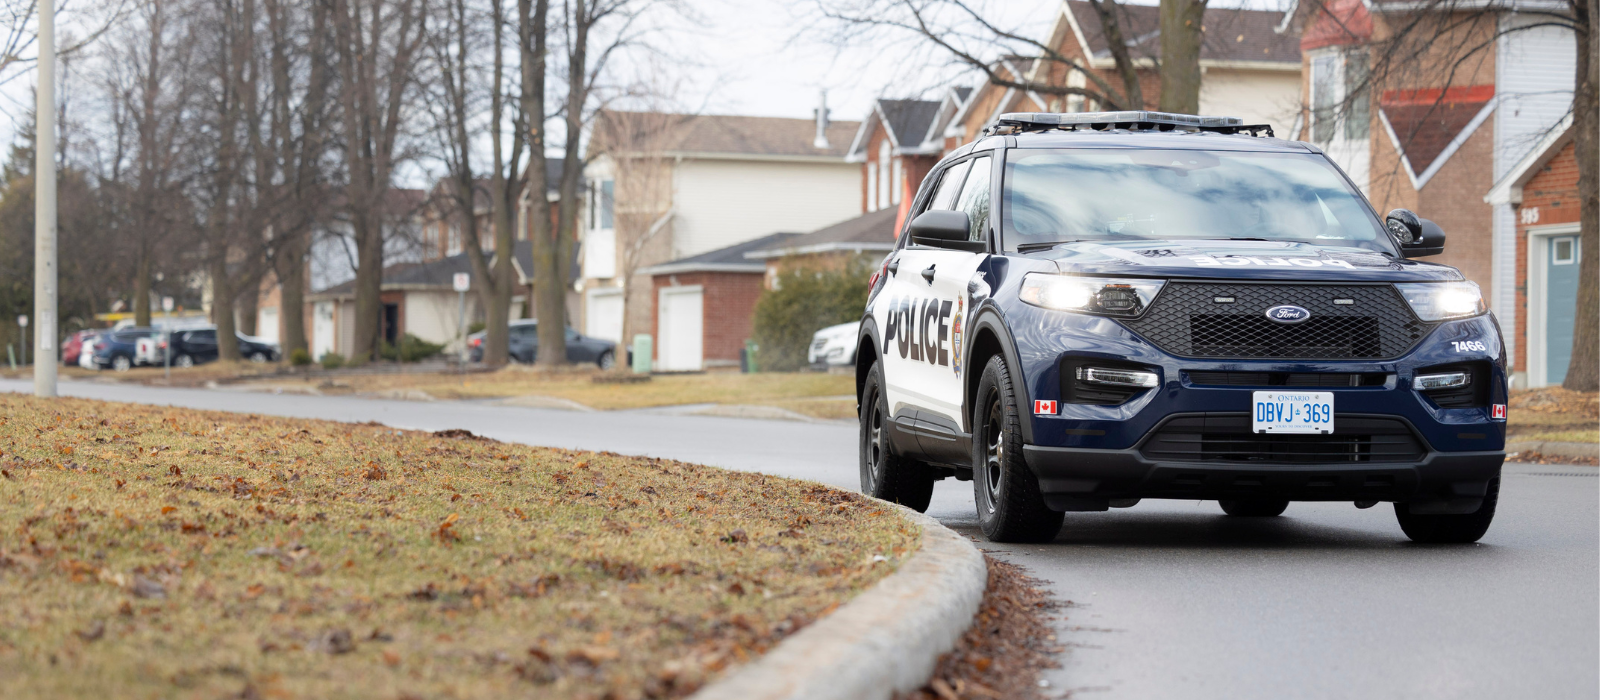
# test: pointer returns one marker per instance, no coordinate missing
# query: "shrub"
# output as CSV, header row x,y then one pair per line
x,y
411,349
806,300
476,326
299,357
332,360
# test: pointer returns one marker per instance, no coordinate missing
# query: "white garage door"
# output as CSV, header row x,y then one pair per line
x,y
605,314
681,327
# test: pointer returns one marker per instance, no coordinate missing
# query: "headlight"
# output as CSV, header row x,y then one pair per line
x,y
1093,295
1437,301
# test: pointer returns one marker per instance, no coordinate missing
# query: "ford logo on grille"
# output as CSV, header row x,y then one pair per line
x,y
1288,314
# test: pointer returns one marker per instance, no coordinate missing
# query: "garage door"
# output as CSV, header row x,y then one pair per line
x,y
605,314
681,327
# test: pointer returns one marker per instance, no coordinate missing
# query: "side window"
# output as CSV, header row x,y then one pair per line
x,y
975,198
949,185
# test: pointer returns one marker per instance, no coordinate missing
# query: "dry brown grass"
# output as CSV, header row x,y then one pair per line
x,y
1554,413
150,552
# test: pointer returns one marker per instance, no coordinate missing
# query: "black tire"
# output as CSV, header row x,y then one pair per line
x,y
183,361
607,360
1450,529
259,358
1010,506
1254,509
121,364
884,474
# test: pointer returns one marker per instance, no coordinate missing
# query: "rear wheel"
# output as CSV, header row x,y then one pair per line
x,y
121,364
183,361
1254,509
607,360
1010,506
1450,529
884,474
259,358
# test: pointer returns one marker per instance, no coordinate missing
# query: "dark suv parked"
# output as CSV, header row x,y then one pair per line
x,y
1089,309
115,349
524,344
193,347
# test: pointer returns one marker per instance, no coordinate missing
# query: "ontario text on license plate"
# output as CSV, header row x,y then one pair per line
x,y
1292,412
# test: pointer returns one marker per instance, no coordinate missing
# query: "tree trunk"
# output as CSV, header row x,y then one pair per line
x,y
249,305
1132,92
141,288
291,273
1181,36
533,20
1583,372
369,286
222,294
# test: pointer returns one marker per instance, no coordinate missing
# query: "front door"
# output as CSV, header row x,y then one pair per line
x,y
1561,305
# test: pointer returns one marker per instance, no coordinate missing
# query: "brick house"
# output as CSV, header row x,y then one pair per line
x,y
898,143
1249,69
1436,140
1543,191
665,190
703,305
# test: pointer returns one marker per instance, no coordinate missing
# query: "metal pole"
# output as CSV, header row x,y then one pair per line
x,y
44,227
461,327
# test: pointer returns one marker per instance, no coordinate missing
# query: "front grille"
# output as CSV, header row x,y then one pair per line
x,y
1373,323
1305,379
1226,437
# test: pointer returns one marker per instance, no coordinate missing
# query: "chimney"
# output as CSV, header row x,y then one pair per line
x,y
822,121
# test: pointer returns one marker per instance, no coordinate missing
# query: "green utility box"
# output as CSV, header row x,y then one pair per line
x,y
643,349
747,359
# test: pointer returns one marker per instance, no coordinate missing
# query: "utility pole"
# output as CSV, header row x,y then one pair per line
x,y
44,227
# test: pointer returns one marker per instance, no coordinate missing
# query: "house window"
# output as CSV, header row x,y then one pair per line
x,y
898,184
883,173
455,240
1324,97
872,187
602,208
1339,95
1564,251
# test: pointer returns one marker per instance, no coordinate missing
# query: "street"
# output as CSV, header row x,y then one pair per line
x,y
1170,599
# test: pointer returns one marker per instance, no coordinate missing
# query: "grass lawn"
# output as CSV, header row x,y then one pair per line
x,y
152,552
1555,414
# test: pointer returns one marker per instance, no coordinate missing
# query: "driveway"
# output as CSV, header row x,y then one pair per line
x,y
1169,599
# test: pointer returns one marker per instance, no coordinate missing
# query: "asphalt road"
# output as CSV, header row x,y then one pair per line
x,y
1169,599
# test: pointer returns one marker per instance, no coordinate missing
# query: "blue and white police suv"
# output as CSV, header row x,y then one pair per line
x,y
1090,309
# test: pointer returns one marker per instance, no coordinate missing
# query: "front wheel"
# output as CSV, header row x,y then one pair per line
x,y
121,364
1011,507
607,360
1450,529
259,358
884,474
183,361
1254,509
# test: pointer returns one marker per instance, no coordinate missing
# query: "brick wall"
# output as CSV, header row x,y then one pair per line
x,y
1553,192
728,307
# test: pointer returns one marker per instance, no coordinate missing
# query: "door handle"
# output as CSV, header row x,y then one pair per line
x,y
928,274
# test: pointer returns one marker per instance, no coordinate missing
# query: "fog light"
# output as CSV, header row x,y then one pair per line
x,y
1118,377
1446,380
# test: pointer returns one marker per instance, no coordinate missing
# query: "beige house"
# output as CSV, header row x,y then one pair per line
x,y
664,187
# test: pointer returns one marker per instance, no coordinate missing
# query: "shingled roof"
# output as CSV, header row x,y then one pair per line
x,y
684,134
1230,34
440,274
730,259
868,232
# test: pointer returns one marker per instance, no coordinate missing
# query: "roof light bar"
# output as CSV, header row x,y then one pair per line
x,y
1163,121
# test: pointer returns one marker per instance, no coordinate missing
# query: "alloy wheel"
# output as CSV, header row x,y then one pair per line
x,y
994,453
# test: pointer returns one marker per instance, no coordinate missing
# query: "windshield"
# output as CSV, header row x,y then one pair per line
x,y
1128,194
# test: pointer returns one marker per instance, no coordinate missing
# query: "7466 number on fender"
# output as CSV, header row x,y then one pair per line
x,y
1309,412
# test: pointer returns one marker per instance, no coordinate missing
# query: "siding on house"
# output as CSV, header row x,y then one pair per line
x,y
723,202
728,300
1549,198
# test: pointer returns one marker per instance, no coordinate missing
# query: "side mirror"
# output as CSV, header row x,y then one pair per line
x,y
1416,236
944,229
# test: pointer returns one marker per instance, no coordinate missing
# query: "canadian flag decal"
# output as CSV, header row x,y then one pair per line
x,y
1498,411
1044,407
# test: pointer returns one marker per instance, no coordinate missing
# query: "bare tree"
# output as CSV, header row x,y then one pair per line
x,y
378,44
638,143
1182,23
533,33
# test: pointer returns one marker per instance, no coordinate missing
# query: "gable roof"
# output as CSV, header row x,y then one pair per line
x,y
1232,36
729,259
873,231
711,136
1509,189
440,274
907,123
1427,126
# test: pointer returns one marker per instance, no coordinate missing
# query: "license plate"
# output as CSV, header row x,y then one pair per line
x,y
1309,412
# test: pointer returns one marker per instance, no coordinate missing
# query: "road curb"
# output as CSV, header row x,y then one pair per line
x,y
885,641
1587,450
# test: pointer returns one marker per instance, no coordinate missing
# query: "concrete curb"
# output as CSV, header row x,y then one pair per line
x,y
885,641
1587,450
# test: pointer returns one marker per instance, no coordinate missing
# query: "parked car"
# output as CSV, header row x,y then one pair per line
x,y
524,344
834,346
118,349
73,347
86,352
1090,309
199,346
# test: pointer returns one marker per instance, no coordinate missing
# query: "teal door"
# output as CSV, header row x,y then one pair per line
x,y
1561,305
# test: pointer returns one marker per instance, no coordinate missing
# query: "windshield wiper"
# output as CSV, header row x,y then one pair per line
x,y
1036,247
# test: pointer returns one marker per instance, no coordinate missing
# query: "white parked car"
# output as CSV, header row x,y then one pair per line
x,y
834,346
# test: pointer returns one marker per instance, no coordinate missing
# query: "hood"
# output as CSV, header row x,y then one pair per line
x,y
1256,260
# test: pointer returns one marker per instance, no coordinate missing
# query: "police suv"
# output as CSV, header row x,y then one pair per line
x,y
1090,309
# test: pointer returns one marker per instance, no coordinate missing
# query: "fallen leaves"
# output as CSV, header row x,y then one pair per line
x,y
446,532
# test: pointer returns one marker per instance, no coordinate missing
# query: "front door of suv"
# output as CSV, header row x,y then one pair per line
x,y
922,321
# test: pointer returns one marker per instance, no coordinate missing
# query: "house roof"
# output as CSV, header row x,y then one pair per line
x,y
872,231
910,124
729,259
773,138
440,274
1231,35
1427,126
1509,189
